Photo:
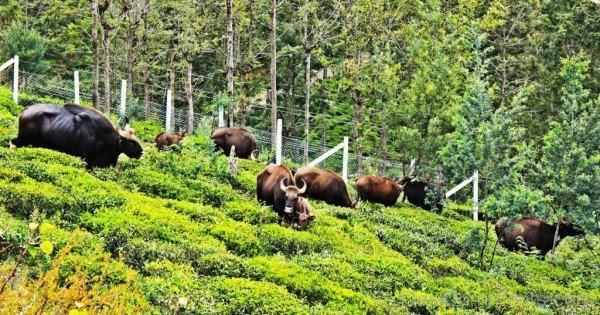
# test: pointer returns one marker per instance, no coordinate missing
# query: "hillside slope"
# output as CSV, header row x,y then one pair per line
x,y
174,232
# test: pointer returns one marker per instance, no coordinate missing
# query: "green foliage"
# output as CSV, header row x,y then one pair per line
x,y
25,43
147,130
174,232
516,202
485,139
243,296
569,170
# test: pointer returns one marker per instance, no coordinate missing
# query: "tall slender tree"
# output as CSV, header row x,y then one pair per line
x,y
95,58
273,71
230,59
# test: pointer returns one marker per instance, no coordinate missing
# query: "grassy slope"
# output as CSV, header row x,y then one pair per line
x,y
175,232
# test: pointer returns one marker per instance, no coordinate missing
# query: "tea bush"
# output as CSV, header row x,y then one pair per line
x,y
176,232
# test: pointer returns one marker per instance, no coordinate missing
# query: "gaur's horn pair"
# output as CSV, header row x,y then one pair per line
x,y
283,186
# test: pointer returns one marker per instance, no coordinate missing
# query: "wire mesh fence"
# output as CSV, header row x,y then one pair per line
x,y
138,109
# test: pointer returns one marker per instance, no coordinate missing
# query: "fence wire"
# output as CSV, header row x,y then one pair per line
x,y
137,109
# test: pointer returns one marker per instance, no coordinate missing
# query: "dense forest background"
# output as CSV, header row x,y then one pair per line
x,y
506,87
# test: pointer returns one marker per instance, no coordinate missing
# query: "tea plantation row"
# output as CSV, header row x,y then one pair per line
x,y
174,232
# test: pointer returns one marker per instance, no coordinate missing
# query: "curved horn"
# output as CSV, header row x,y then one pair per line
x,y
303,190
282,185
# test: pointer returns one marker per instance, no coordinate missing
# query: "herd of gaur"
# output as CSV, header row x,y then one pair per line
x,y
88,134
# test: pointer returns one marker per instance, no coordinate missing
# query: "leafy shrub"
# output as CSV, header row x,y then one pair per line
x,y
173,288
138,252
243,296
309,285
147,130
418,302
249,212
335,269
238,237
197,212
40,155
26,197
482,295
6,103
222,264
149,221
278,239
389,272
448,267
91,280
174,232
457,211
29,99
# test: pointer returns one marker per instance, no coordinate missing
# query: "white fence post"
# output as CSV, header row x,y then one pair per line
x,y
344,145
76,86
345,161
475,180
221,120
16,80
168,112
278,142
7,64
475,195
411,170
123,97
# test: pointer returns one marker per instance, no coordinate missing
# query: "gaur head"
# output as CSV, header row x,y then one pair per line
x,y
291,194
405,181
303,213
220,136
569,229
129,144
181,134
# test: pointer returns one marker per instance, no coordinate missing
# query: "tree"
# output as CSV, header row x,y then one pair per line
x,y
273,71
230,65
315,32
26,44
485,139
107,27
569,166
95,58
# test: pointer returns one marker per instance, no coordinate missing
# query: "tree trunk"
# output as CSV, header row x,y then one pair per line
x,y
129,56
273,72
485,239
357,119
291,101
172,88
244,104
324,129
307,105
494,253
107,72
306,87
146,68
384,141
95,57
106,28
324,121
190,99
555,237
230,92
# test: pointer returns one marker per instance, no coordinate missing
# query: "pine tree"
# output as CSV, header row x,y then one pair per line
x,y
569,167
